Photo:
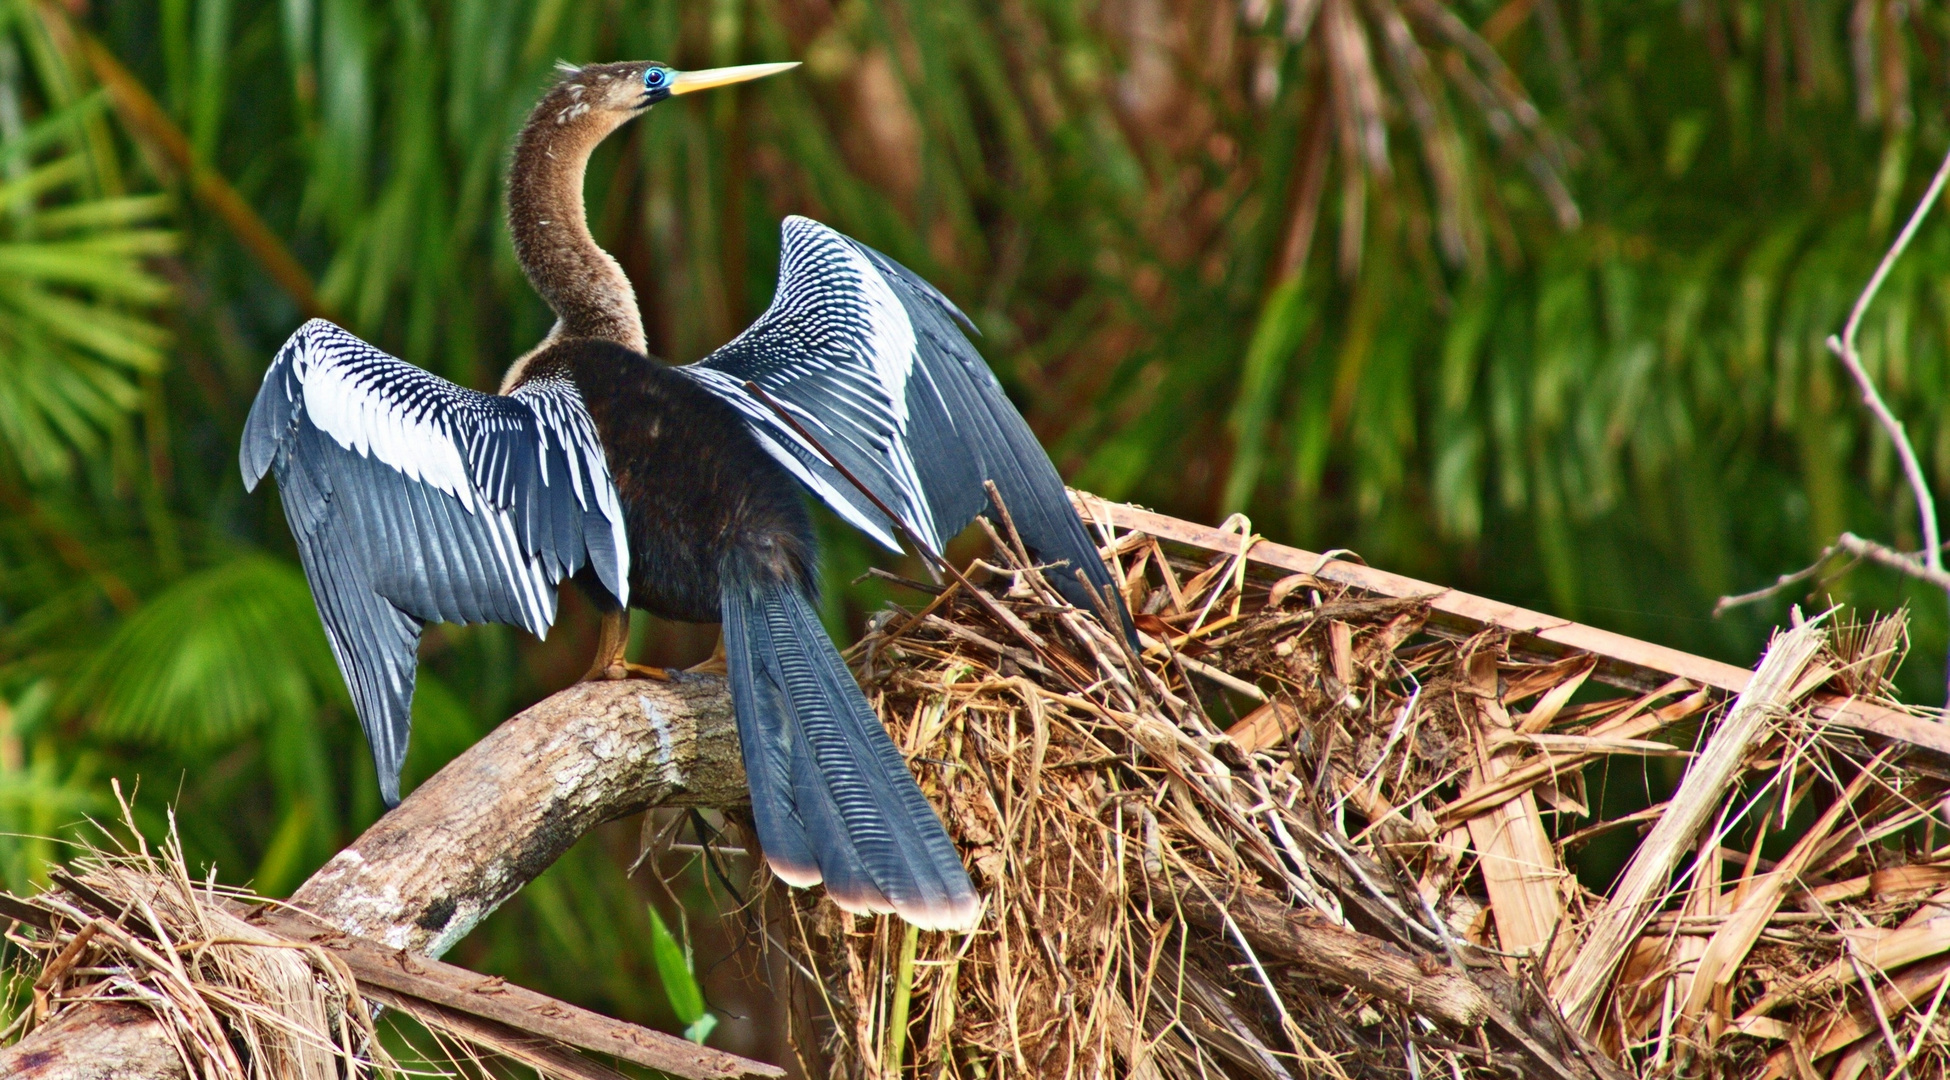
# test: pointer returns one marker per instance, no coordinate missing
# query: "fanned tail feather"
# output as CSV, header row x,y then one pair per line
x,y
831,795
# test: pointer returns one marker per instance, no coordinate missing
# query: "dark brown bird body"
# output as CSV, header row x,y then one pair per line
x,y
701,498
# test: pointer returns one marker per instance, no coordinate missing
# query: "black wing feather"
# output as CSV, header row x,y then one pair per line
x,y
868,357
414,500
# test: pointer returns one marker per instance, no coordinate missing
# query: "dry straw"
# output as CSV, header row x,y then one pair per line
x,y
129,925
1305,834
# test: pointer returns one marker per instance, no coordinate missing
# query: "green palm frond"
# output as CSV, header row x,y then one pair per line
x,y
77,296
220,652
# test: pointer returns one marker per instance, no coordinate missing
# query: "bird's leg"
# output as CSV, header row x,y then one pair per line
x,y
612,642
715,665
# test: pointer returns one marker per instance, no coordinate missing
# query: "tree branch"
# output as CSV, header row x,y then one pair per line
x,y
1915,565
465,841
1927,568
1844,349
1783,583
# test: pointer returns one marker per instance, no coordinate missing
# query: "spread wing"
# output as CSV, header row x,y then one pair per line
x,y
414,500
868,358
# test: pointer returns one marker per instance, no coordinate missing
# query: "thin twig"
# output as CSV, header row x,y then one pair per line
x,y
1874,998
1929,569
1906,562
1781,584
1922,1031
1844,349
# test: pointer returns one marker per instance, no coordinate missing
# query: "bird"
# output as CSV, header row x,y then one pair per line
x,y
679,490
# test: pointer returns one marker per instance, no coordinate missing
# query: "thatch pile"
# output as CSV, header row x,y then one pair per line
x,y
1304,834
130,925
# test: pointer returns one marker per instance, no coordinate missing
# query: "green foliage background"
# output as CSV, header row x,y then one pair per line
x,y
1525,297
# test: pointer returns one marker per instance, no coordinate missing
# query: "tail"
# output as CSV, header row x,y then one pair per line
x,y
833,799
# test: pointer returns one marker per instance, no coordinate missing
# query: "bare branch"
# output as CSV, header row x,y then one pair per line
x,y
1782,583
1844,349
1929,567
1884,555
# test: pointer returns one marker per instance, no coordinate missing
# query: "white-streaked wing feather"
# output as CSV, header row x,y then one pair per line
x,y
870,360
838,350
414,500
799,457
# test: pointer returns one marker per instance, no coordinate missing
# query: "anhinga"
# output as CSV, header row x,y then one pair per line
x,y
671,489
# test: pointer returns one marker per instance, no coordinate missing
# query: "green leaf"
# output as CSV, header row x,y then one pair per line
x,y
674,968
282,866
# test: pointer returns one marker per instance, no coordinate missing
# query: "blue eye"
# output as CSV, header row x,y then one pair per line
x,y
656,78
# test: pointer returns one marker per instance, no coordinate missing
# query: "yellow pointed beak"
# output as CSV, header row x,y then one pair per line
x,y
690,82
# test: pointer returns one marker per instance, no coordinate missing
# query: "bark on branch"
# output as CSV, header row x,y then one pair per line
x,y
501,813
465,841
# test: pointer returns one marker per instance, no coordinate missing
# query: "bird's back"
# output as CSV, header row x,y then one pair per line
x,y
694,482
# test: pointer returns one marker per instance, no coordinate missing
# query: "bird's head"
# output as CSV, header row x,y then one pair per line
x,y
617,92
588,290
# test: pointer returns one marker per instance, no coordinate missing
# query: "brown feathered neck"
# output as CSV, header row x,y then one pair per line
x,y
583,283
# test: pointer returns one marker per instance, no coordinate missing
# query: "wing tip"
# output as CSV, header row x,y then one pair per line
x,y
252,470
389,786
